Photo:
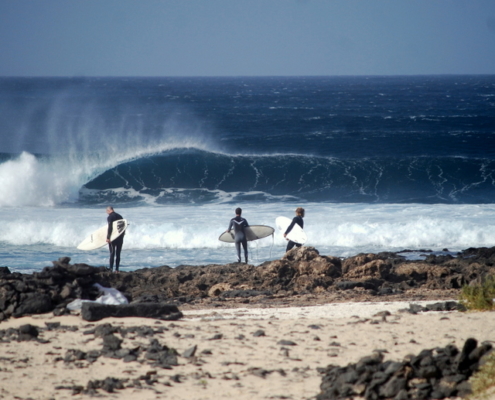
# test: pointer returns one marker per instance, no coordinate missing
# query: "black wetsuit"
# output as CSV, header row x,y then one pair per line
x,y
296,220
115,247
239,223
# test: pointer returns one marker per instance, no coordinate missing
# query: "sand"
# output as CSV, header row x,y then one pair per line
x,y
237,365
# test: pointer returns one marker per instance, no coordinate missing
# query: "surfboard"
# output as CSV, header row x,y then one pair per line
x,y
253,232
99,237
296,234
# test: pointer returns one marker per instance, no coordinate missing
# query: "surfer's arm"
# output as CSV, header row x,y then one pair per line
x,y
230,226
110,229
290,226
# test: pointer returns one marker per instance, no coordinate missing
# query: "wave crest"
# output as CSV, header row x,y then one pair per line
x,y
192,175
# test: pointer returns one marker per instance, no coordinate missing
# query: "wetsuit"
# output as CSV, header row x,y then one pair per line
x,y
239,223
115,247
296,220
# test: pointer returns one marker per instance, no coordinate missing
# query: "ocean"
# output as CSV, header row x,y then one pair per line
x,y
379,164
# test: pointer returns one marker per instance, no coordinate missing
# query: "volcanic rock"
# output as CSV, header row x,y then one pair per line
x,y
34,303
28,332
301,270
432,374
97,311
161,355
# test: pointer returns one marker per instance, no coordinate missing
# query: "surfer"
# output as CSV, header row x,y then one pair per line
x,y
298,219
239,223
115,247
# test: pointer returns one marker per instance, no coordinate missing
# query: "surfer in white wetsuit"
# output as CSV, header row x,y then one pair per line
x,y
239,223
298,219
115,247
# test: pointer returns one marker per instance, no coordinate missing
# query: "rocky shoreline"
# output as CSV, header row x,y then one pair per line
x,y
224,353
301,277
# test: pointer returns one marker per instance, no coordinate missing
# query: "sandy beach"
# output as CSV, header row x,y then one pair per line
x,y
269,353
243,331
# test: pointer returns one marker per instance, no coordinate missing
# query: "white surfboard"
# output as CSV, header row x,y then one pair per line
x,y
253,232
296,234
99,237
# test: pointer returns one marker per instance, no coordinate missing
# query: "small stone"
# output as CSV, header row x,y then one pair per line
x,y
111,342
217,336
190,352
52,325
286,343
28,332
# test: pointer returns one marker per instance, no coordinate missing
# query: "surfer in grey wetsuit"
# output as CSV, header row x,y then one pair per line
x,y
298,219
115,247
239,223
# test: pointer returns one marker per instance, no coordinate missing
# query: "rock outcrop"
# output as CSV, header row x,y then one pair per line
x,y
53,287
432,374
301,270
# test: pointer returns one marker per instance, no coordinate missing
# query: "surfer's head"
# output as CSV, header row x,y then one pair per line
x,y
238,211
109,209
300,211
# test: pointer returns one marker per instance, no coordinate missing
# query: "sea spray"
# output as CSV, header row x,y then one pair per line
x,y
53,143
57,179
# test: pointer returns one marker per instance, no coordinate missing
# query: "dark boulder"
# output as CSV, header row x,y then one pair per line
x,y
28,332
34,303
50,289
96,311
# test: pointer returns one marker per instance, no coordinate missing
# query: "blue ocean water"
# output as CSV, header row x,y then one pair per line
x,y
379,163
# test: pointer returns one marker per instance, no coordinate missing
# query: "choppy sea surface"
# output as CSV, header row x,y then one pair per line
x,y
379,164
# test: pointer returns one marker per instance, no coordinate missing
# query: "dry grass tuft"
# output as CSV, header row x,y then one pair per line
x,y
479,297
483,381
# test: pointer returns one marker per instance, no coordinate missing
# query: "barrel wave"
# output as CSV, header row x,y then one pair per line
x,y
198,176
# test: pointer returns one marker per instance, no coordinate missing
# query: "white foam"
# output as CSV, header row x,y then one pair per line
x,y
28,180
49,181
83,144
188,234
394,227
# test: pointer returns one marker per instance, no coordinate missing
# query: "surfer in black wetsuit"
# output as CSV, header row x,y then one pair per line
x,y
239,223
115,247
298,219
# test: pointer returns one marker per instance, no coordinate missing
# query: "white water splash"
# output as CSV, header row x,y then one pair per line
x,y
186,234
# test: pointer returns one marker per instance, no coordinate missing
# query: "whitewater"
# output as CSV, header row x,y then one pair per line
x,y
379,164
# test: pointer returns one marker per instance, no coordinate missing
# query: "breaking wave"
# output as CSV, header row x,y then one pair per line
x,y
200,176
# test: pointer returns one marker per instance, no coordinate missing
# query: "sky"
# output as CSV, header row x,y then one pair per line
x,y
246,37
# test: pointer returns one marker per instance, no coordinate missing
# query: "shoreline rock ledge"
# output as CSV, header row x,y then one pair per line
x,y
300,271
304,271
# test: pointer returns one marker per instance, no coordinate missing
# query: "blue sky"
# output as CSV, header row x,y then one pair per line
x,y
246,37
